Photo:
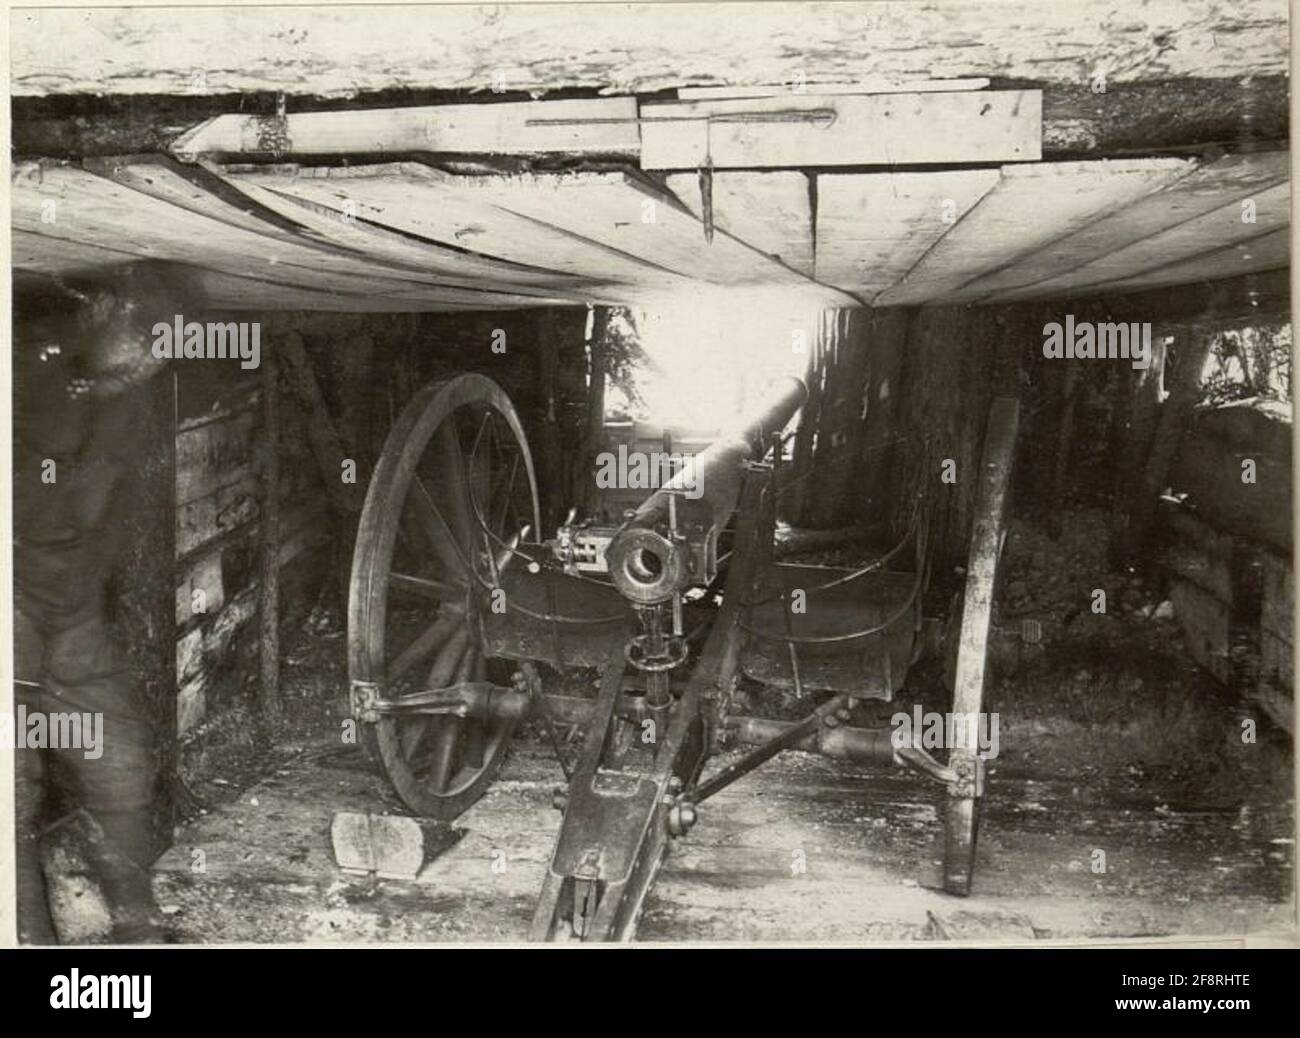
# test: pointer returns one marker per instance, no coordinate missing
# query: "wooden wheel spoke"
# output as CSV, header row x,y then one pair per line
x,y
428,588
432,639
508,498
443,541
456,662
451,480
480,483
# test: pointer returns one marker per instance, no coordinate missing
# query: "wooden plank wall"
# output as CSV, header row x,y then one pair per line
x,y
218,507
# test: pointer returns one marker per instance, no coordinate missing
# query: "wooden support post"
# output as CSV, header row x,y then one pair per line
x,y
326,444
143,584
877,455
841,425
269,598
1183,384
331,454
793,505
1064,444
594,432
549,448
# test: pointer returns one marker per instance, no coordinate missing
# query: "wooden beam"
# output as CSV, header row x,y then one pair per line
x,y
338,52
79,209
342,229
1268,251
771,211
880,86
872,228
206,192
415,199
633,218
1030,207
1185,115
830,130
1234,299
1194,214
605,126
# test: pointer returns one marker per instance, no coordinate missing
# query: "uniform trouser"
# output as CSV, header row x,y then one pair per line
x,y
78,667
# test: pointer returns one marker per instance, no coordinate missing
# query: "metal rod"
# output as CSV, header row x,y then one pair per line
x,y
738,769
803,115
859,745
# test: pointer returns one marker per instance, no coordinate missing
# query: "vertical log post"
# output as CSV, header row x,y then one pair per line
x,y
549,449
593,434
269,598
143,584
330,451
1192,346
1064,446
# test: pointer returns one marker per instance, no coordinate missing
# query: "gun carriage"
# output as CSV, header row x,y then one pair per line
x,y
455,600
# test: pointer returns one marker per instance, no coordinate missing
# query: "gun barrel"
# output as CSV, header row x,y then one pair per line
x,y
649,566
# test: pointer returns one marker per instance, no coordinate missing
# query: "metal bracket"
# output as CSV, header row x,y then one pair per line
x,y
963,774
921,760
968,774
363,697
481,700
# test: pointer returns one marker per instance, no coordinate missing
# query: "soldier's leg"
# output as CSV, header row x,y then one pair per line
x,y
86,673
113,778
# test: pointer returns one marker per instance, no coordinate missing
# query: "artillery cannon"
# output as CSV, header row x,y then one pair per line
x,y
455,600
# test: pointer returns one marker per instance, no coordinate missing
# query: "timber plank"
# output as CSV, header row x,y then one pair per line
x,y
1217,229
872,228
633,218
212,456
878,86
96,211
599,126
208,193
1138,227
60,257
835,130
772,211
1267,251
239,293
1029,207
333,51
416,199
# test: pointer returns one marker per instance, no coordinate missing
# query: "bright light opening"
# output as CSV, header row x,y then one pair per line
x,y
707,357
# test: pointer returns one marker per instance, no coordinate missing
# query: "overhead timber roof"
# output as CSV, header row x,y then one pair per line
x,y
885,168
407,236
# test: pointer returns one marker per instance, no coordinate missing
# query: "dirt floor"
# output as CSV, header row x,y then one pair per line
x,y
1124,803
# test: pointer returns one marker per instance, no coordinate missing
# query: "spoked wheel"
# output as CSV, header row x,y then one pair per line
x,y
454,491
961,813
